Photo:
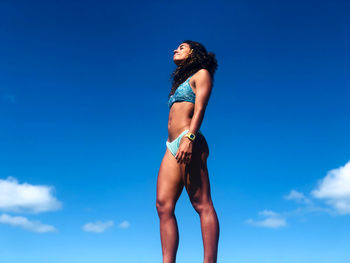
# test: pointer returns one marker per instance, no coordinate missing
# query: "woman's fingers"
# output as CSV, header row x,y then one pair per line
x,y
183,157
184,160
179,156
187,157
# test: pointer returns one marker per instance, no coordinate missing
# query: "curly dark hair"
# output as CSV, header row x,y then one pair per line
x,y
199,59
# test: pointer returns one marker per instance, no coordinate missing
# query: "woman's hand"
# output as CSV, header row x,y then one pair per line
x,y
184,153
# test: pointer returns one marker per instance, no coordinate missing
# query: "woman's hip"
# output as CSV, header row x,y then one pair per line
x,y
200,144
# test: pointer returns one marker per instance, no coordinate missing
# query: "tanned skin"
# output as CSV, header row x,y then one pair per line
x,y
188,169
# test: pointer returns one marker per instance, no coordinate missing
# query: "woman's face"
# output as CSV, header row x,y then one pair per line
x,y
181,53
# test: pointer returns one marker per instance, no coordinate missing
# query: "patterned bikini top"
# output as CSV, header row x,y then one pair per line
x,y
183,92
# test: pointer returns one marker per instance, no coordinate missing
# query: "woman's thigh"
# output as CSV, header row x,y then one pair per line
x,y
196,174
170,180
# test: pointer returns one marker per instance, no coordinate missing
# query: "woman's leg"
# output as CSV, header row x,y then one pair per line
x,y
198,189
169,188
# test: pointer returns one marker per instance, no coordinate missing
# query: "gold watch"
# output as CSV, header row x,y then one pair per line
x,y
190,136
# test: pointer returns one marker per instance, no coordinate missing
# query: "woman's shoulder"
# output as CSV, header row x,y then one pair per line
x,y
202,74
201,78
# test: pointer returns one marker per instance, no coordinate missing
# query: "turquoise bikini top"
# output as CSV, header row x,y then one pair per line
x,y
183,93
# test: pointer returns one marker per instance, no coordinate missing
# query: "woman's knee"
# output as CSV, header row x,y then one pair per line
x,y
202,206
165,208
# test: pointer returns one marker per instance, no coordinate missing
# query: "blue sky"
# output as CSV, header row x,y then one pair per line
x,y
83,108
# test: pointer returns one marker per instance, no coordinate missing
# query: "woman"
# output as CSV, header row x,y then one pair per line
x,y
185,159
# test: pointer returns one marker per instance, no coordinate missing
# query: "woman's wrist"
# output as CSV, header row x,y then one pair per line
x,y
191,136
189,140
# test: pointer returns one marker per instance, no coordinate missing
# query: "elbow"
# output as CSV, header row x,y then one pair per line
x,y
200,107
199,110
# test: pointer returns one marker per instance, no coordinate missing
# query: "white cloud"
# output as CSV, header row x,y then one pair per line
x,y
23,222
335,189
124,224
297,196
25,197
272,220
268,213
98,227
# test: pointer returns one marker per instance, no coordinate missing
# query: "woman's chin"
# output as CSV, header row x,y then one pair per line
x,y
177,61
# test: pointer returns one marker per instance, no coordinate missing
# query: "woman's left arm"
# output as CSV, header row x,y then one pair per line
x,y
203,91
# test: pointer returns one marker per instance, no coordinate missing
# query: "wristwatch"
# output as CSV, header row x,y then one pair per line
x,y
190,136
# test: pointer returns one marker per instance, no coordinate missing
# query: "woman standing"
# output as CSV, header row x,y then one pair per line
x,y
185,159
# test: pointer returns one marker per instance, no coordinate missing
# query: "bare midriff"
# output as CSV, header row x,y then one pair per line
x,y
180,116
